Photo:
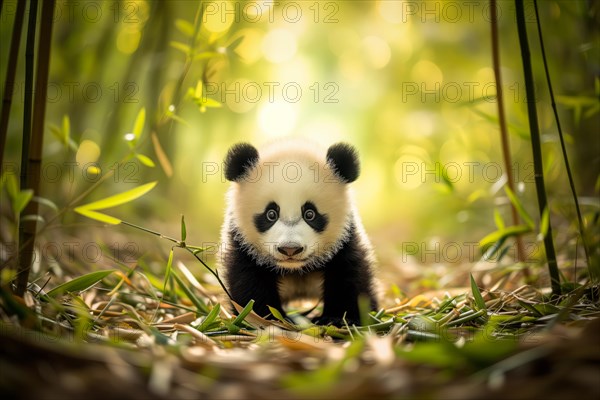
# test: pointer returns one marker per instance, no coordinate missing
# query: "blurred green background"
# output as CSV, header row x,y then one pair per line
x,y
409,83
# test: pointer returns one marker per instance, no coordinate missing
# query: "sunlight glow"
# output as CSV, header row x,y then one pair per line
x,y
377,50
218,16
277,119
279,45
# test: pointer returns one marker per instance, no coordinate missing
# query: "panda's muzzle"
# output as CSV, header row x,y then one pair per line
x,y
290,251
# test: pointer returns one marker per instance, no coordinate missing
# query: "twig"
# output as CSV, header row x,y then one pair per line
x,y
504,132
182,244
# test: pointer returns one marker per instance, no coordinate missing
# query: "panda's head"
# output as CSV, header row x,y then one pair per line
x,y
290,205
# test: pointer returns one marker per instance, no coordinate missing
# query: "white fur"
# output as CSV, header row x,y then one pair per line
x,y
290,173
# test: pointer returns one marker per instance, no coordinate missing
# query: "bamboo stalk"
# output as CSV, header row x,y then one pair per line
x,y
9,83
34,156
23,268
562,140
536,146
504,132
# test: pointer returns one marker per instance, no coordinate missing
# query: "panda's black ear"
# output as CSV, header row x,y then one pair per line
x,y
343,160
239,160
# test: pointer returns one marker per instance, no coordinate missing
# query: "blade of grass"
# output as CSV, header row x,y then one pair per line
x,y
581,226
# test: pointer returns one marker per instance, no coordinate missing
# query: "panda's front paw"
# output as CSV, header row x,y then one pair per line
x,y
325,320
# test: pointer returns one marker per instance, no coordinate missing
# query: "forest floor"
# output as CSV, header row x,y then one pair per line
x,y
131,333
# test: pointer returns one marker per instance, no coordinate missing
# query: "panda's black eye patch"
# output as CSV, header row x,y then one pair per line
x,y
313,218
266,219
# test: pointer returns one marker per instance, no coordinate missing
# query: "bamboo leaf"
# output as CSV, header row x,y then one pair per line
x,y
120,198
477,295
140,120
184,27
183,230
519,207
147,161
242,315
275,312
21,200
504,233
210,318
168,270
97,216
66,129
211,103
181,47
198,303
198,91
206,54
80,283
498,219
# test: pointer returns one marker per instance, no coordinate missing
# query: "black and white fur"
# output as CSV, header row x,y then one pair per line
x,y
291,229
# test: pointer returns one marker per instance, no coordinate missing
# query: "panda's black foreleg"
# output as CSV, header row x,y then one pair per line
x,y
346,277
257,286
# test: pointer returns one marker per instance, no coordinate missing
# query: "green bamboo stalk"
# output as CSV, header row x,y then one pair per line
x,y
562,140
34,157
9,83
504,131
536,146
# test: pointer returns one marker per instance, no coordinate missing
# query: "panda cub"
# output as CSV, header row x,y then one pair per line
x,y
291,229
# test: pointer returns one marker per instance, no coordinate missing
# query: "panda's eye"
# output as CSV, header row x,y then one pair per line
x,y
272,215
309,215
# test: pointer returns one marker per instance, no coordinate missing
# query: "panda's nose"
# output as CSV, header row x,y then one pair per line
x,y
290,250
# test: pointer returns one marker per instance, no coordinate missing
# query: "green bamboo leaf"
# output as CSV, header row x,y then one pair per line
x,y
183,230
140,120
206,54
147,161
519,207
120,198
211,103
66,130
97,216
12,186
242,315
196,249
504,233
498,219
168,270
210,318
21,200
181,47
275,312
477,295
184,27
493,249
80,283
196,301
